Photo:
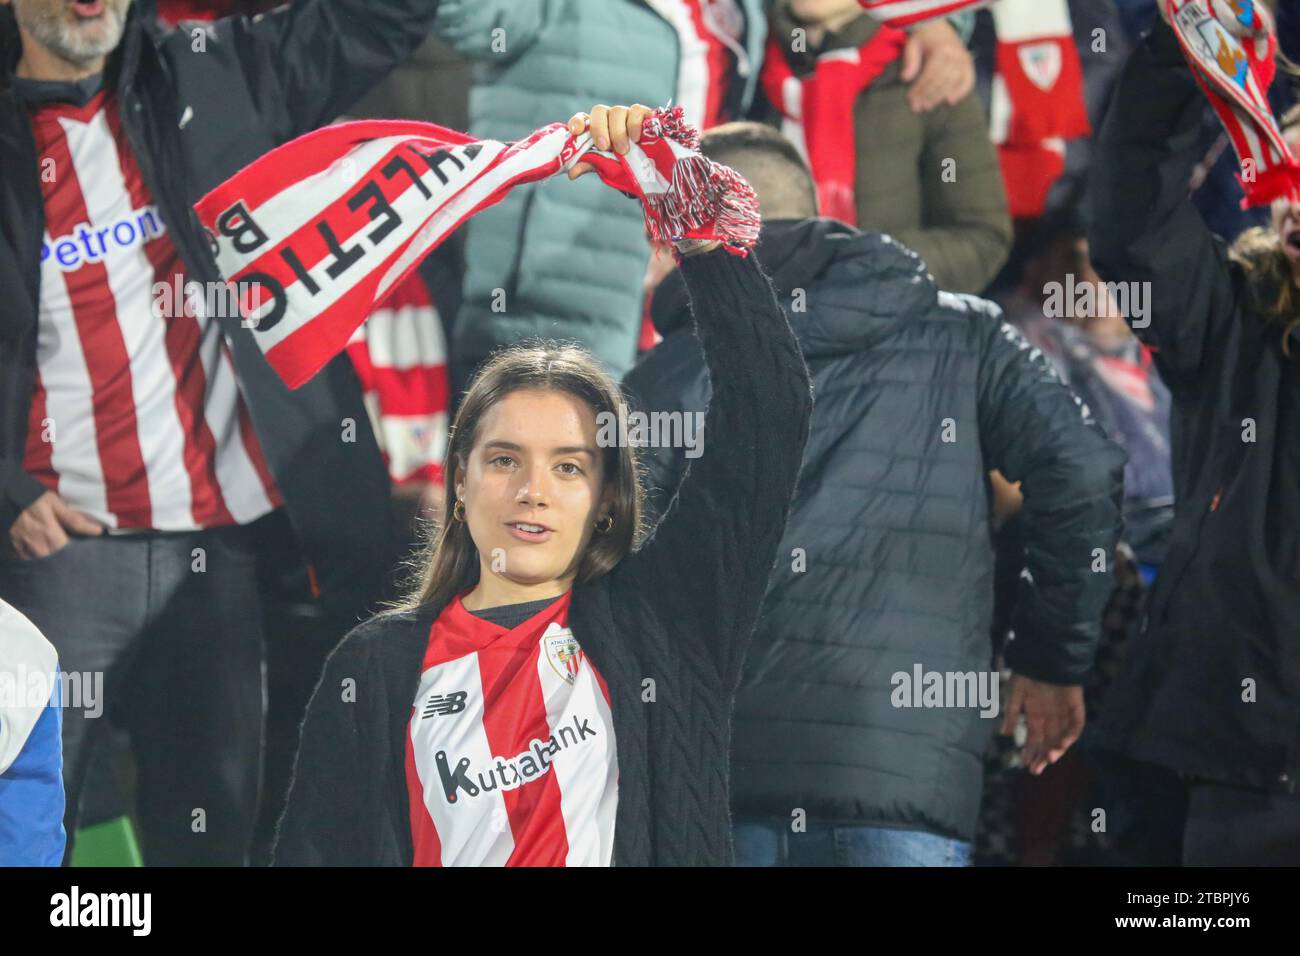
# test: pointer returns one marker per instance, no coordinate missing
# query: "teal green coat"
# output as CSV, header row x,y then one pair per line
x,y
563,260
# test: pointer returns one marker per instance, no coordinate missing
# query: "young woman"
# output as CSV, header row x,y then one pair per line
x,y
555,695
1212,687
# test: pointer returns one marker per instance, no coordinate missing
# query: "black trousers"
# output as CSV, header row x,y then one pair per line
x,y
172,623
1240,826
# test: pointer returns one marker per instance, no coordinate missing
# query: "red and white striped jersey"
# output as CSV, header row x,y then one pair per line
x,y
510,756
400,355
136,417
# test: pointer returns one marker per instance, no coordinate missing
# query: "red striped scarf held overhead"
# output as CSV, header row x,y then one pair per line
x,y
1230,46
316,232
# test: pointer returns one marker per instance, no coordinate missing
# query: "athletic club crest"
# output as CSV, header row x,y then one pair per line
x,y
562,651
1042,63
1212,43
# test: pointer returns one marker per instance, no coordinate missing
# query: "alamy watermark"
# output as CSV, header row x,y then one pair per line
x,y
636,429
946,689
1074,299
32,687
193,299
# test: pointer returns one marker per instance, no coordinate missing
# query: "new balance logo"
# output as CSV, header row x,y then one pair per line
x,y
507,774
444,704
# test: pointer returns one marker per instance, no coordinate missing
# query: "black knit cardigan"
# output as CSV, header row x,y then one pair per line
x,y
668,628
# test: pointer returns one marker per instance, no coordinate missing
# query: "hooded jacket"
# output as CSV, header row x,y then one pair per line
x,y
197,107
887,560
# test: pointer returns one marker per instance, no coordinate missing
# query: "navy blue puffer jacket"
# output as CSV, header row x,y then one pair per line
x,y
887,559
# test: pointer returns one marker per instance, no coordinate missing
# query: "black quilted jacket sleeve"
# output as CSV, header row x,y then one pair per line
x,y
1035,431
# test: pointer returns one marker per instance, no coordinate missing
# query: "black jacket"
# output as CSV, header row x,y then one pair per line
x,y
667,628
194,117
891,524
1212,687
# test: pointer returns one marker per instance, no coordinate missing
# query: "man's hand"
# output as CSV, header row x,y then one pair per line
x,y
44,526
938,65
1007,499
1055,717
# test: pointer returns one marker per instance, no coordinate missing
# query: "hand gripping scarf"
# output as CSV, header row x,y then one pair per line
x,y
1230,46
311,236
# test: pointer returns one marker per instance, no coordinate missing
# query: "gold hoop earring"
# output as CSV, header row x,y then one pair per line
x,y
608,524
458,510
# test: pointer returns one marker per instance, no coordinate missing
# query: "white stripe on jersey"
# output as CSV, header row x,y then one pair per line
x,y
473,831
240,483
130,279
587,775
74,454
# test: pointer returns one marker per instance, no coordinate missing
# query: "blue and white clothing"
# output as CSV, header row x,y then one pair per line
x,y
31,748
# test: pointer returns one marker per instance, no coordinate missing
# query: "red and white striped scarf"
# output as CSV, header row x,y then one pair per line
x,y
316,232
1037,98
817,111
1230,46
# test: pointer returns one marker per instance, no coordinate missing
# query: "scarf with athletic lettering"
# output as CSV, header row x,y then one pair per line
x,y
315,233
817,110
1230,46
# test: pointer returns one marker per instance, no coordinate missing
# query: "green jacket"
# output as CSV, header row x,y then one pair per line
x,y
562,260
961,228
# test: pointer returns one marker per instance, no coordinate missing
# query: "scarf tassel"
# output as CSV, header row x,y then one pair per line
x,y
704,199
1269,184
704,195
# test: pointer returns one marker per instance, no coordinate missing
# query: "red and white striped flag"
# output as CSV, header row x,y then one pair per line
x,y
316,232
1231,45
904,13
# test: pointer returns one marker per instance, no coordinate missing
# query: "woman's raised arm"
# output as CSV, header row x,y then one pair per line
x,y
707,564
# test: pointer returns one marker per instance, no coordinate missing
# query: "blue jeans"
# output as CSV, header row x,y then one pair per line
x,y
763,843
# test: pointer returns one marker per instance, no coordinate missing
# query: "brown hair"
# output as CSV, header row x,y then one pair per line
x,y
1259,253
449,562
